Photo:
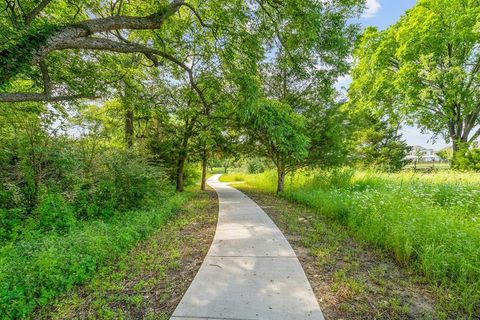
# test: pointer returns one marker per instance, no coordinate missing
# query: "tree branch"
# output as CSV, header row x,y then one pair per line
x,y
16,58
47,87
200,20
475,136
35,12
103,44
41,97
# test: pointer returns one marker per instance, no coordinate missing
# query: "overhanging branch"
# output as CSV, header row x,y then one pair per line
x,y
41,97
103,44
14,59
35,12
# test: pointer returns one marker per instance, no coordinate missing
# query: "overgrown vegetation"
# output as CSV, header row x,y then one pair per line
x,y
149,280
69,203
35,269
350,279
427,222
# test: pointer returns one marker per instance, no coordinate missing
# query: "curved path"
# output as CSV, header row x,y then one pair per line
x,y
250,271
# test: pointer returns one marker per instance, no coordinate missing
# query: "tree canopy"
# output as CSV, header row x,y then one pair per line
x,y
425,67
55,50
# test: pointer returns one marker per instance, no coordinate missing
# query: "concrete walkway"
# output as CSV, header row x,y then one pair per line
x,y
250,271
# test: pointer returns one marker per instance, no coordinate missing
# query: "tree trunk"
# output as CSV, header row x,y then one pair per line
x,y
180,171
225,169
129,128
457,148
204,169
280,179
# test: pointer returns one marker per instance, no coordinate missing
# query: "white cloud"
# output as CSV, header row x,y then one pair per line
x,y
372,7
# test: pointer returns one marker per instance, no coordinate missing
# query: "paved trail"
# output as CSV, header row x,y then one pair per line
x,y
250,271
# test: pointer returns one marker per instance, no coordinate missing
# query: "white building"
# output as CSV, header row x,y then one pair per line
x,y
421,154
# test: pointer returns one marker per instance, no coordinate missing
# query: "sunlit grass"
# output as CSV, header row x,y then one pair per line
x,y
430,222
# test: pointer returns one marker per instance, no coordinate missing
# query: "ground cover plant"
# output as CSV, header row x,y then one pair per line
x,y
429,222
37,268
148,281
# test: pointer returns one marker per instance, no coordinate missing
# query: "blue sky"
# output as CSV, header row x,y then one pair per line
x,y
382,14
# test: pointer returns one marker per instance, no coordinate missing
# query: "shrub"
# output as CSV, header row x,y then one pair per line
x,y
256,165
54,214
12,212
125,182
469,159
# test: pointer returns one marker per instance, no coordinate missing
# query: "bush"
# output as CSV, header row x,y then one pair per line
x,y
11,221
95,200
126,182
54,214
469,159
12,212
256,165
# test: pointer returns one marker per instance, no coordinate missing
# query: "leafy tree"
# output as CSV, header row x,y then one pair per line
x,y
39,38
427,67
377,142
276,132
445,154
309,90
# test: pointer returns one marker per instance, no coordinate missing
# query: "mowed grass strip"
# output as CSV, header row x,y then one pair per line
x,y
149,281
427,222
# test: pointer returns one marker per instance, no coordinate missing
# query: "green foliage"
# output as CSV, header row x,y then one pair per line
x,y
17,59
280,131
123,182
379,145
68,204
256,165
54,214
147,266
34,270
445,154
425,67
468,159
192,174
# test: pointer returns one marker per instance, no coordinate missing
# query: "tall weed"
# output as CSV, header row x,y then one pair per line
x,y
430,222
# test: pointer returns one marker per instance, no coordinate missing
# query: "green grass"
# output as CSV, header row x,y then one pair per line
x,y
149,280
429,166
351,280
37,268
232,177
429,222
216,170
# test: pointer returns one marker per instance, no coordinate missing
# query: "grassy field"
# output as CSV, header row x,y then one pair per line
x,y
428,166
427,222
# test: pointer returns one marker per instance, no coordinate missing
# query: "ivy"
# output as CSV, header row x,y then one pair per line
x,y
17,59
